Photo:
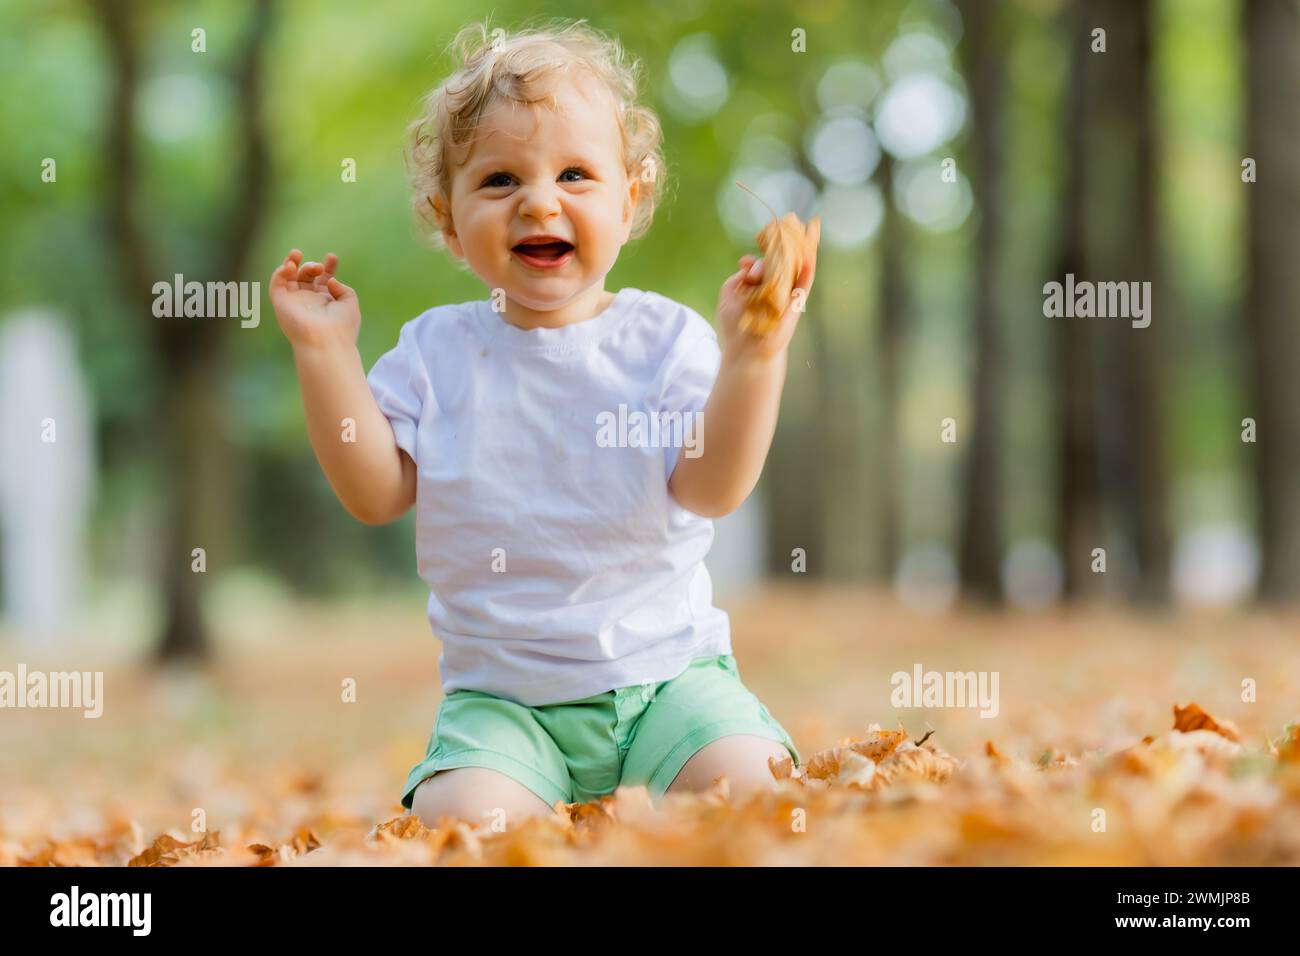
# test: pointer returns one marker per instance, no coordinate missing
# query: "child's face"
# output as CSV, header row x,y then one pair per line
x,y
534,170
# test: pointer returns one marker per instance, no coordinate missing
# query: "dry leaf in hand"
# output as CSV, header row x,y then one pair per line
x,y
786,244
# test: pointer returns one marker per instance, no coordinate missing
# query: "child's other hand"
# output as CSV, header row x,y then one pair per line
x,y
731,306
312,306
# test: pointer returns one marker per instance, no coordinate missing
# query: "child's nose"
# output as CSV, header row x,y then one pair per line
x,y
539,201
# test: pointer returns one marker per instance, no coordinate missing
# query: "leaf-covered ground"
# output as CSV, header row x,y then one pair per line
x,y
1096,756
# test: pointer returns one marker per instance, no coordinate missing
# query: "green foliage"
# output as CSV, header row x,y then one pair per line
x,y
344,80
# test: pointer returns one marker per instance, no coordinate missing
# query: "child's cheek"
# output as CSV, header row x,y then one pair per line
x,y
602,225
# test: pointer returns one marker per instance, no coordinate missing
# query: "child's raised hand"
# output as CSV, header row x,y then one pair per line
x,y
311,305
731,306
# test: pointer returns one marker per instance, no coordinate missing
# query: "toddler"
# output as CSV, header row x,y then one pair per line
x,y
581,646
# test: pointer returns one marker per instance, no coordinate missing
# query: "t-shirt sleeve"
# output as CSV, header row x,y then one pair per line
x,y
688,383
398,382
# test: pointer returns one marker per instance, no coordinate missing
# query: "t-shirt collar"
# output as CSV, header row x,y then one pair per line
x,y
575,335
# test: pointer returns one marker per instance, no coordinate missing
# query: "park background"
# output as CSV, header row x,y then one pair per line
x,y
1071,434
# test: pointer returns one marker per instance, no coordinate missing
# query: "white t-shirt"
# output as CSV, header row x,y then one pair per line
x,y
558,563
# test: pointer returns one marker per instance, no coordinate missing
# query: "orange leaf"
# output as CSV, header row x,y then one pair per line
x,y
1192,717
879,743
787,244
781,767
168,851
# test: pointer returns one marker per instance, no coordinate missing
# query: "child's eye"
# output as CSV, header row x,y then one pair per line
x,y
573,169
494,181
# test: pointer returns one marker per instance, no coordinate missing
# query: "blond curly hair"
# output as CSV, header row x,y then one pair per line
x,y
498,66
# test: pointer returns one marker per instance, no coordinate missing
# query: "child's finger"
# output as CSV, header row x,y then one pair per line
x,y
331,263
806,274
291,275
309,271
288,270
338,290
754,274
809,271
280,277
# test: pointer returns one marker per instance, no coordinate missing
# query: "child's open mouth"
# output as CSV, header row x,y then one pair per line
x,y
544,252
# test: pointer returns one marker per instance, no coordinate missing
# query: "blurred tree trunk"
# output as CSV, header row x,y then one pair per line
x,y
830,452
1078,467
892,305
838,482
190,353
1272,33
1122,245
980,547
791,484
1150,378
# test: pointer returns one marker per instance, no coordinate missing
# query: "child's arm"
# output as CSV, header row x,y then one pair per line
x,y
739,418
372,477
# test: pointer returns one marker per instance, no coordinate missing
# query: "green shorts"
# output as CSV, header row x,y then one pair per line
x,y
579,750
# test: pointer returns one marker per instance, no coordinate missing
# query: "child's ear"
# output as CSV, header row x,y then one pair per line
x,y
442,216
629,207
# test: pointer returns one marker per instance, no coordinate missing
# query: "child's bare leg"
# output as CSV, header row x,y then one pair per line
x,y
475,794
742,758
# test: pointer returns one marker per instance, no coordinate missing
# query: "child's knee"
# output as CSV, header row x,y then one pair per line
x,y
475,795
741,758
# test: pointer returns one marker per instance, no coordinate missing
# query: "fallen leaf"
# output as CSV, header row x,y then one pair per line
x,y
168,851
1192,717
